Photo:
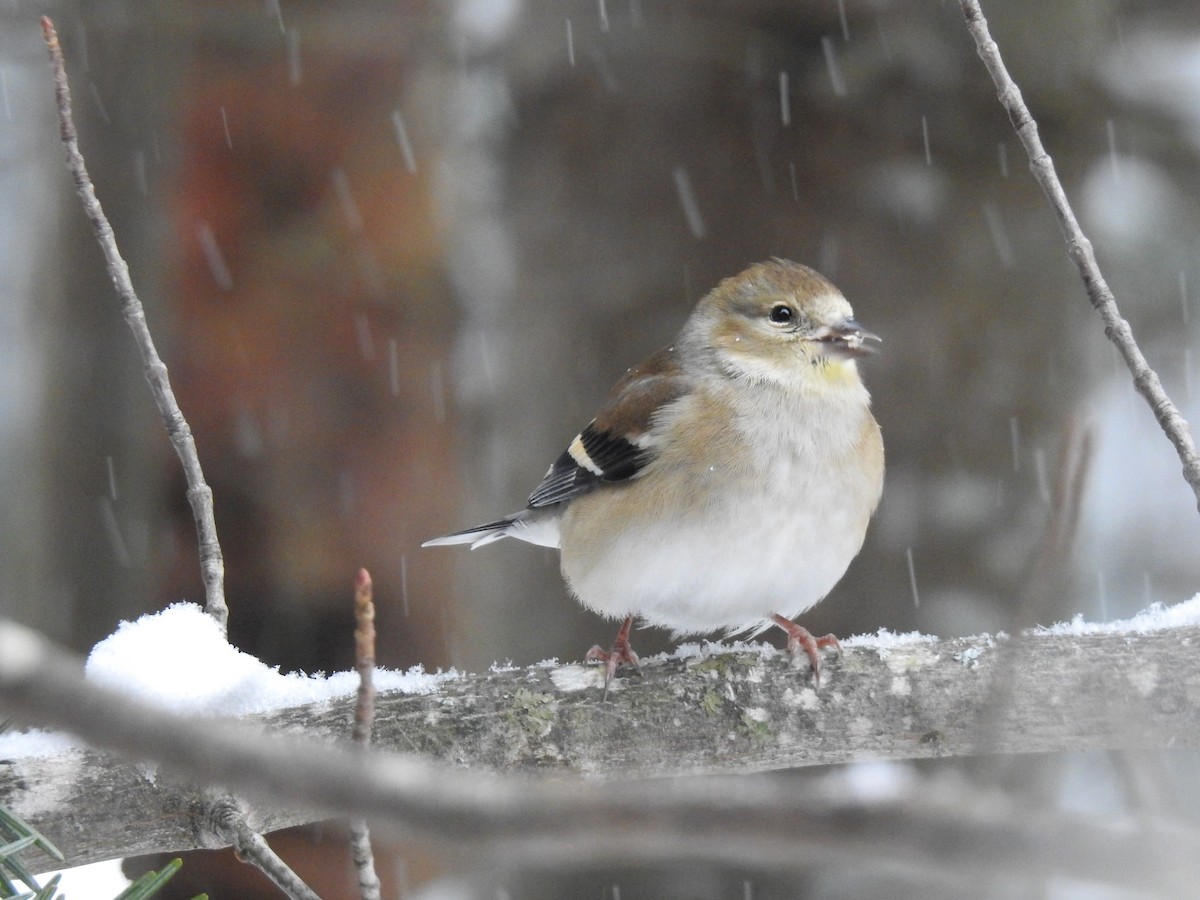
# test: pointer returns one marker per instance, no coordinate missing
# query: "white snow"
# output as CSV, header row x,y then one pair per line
x,y
1155,617
883,639
573,678
34,742
177,659
695,649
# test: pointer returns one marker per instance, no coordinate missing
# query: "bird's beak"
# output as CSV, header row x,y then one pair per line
x,y
847,338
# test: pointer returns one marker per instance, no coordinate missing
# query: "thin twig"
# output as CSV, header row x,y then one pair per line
x,y
199,494
364,859
364,717
229,822
364,657
1079,248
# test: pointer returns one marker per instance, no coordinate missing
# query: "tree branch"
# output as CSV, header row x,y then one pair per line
x,y
728,712
199,494
1079,248
231,825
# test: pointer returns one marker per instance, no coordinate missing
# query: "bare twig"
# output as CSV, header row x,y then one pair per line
x,y
364,657
364,716
1079,248
364,859
746,820
229,822
199,494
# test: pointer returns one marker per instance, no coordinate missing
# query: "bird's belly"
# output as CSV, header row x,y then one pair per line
x,y
727,568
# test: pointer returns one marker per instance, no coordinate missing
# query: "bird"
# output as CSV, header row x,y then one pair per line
x,y
727,481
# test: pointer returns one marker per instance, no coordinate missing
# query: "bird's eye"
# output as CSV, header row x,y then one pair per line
x,y
782,314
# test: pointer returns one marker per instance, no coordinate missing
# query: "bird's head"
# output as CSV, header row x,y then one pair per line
x,y
781,322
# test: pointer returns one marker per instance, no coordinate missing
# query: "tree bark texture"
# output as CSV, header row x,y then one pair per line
x,y
726,711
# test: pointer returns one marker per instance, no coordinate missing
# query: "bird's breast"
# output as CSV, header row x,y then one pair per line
x,y
767,520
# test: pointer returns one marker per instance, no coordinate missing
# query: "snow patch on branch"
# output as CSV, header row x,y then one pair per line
x,y
883,639
180,660
1155,617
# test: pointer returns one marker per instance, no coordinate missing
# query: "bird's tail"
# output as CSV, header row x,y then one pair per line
x,y
479,536
534,526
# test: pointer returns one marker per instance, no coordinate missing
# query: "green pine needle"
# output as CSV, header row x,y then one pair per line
x,y
50,891
19,836
150,883
12,828
16,847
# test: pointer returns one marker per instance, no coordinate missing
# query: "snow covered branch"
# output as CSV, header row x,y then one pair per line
x,y
179,782
729,710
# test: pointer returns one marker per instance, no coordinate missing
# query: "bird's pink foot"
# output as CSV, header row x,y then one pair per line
x,y
620,652
800,638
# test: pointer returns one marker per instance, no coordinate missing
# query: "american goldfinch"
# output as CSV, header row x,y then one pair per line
x,y
727,481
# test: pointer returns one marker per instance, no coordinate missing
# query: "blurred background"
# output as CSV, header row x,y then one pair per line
x,y
394,255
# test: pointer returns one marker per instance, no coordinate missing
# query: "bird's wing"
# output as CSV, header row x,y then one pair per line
x,y
615,445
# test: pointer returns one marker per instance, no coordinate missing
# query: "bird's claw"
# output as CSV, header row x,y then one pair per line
x,y
800,638
620,652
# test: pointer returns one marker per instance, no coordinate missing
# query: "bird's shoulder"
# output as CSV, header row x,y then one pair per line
x,y
615,446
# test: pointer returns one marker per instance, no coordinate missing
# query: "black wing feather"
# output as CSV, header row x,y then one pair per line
x,y
617,459
612,448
